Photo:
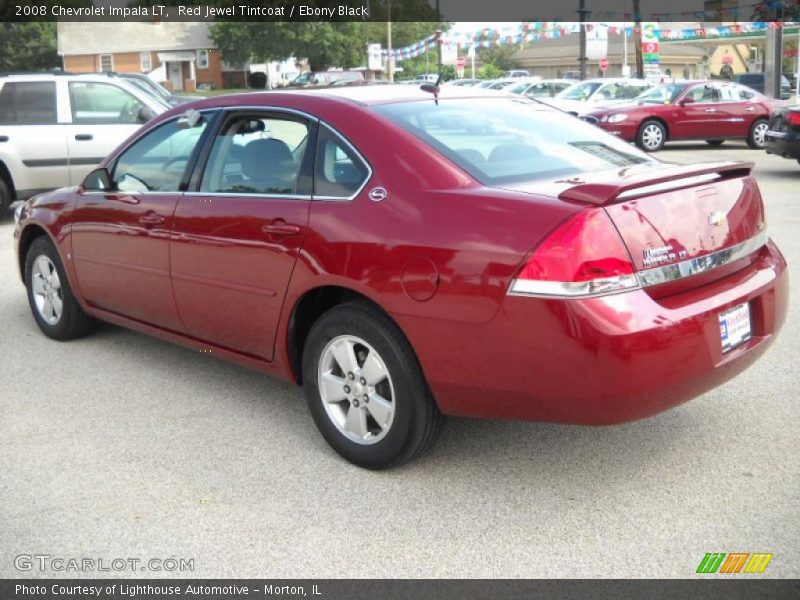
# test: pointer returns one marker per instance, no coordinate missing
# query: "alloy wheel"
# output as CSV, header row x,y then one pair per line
x,y
760,133
356,389
652,136
47,292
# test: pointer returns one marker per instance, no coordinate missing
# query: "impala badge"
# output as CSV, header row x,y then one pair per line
x,y
377,194
717,218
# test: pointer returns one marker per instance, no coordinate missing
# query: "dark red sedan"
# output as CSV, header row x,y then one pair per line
x,y
405,259
697,110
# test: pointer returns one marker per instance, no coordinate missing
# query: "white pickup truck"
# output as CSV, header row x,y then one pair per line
x,y
56,127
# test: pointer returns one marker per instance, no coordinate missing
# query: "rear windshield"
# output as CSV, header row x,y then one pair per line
x,y
504,140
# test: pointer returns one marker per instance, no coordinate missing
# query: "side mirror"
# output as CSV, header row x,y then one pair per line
x,y
145,114
98,180
685,101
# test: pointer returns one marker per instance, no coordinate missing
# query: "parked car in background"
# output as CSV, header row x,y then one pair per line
x,y
486,83
159,91
55,128
464,82
427,78
513,73
542,88
783,135
516,263
324,78
502,84
755,81
706,110
586,95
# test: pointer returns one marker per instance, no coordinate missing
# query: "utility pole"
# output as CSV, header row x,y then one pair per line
x,y
637,39
774,56
582,19
389,57
366,43
439,37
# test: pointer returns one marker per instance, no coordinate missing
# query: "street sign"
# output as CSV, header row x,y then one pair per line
x,y
461,62
603,64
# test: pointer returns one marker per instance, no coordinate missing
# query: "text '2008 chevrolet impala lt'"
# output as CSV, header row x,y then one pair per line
x,y
406,255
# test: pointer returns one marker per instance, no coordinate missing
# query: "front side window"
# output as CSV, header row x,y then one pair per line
x,y
255,154
157,161
661,94
28,103
580,91
338,171
104,103
703,94
503,140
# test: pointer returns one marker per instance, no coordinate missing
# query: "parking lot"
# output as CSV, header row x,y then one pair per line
x,y
120,445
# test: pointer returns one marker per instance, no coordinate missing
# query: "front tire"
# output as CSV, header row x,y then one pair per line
x,y
5,199
365,388
651,136
757,138
54,307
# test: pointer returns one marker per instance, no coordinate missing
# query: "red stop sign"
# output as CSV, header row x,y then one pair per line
x,y
461,62
603,64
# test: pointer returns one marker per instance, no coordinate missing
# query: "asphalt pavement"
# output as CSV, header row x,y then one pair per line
x,y
123,446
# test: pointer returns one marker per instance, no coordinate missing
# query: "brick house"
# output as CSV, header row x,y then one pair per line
x,y
180,56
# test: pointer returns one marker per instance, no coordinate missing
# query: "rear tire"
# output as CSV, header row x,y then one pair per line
x,y
5,199
365,388
651,136
714,142
756,139
54,307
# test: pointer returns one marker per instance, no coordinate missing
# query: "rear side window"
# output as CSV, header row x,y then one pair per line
x,y
508,140
28,103
339,171
102,103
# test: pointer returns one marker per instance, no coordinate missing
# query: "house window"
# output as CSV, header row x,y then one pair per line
x,y
106,63
145,62
202,59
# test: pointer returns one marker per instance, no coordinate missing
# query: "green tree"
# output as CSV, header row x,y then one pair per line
x,y
502,57
490,71
323,44
28,46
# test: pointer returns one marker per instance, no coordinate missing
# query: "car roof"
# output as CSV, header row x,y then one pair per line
x,y
391,94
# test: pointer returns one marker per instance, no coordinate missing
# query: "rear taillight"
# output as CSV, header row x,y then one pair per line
x,y
793,119
583,257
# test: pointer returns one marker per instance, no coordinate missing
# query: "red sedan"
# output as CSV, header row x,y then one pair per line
x,y
404,258
698,110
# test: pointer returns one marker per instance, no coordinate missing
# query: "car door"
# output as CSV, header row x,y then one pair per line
x,y
239,229
733,112
103,116
120,237
32,143
695,113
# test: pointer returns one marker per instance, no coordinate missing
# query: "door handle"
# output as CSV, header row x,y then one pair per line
x,y
280,227
150,219
749,109
711,110
84,137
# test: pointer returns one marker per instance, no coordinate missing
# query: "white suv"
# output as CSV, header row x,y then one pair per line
x,y
54,128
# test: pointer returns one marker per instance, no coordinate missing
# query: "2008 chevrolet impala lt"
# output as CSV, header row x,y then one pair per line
x,y
406,255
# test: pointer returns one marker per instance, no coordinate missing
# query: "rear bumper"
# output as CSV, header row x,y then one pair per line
x,y
783,144
605,360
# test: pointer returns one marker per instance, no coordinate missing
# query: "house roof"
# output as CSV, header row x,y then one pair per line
x,y
110,37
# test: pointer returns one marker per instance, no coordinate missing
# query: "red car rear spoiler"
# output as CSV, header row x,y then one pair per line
x,y
604,192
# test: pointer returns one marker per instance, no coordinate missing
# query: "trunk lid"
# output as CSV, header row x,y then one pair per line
x,y
672,214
